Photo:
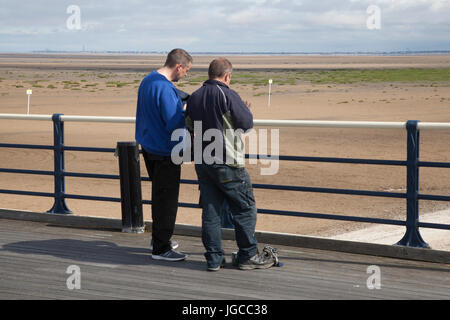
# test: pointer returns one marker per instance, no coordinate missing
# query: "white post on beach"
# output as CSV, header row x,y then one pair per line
x,y
270,87
29,93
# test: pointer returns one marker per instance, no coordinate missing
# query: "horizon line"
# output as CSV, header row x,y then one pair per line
x,y
358,52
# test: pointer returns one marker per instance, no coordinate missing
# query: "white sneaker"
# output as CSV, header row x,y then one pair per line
x,y
173,244
170,255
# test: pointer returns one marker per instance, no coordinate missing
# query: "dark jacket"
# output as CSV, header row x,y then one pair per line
x,y
218,107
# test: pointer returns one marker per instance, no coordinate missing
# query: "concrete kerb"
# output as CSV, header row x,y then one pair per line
x,y
275,238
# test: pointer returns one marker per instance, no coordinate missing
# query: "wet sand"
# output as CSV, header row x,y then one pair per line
x,y
106,85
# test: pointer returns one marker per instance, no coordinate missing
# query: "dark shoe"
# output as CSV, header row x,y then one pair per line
x,y
173,244
258,261
170,255
217,268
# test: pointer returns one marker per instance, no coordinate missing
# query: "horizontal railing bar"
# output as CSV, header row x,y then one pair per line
x,y
187,181
267,211
114,177
330,124
310,215
262,211
434,225
332,190
18,116
111,199
28,193
328,159
96,198
68,118
25,146
433,125
433,197
260,122
89,149
434,164
91,175
332,217
251,156
180,204
26,171
264,186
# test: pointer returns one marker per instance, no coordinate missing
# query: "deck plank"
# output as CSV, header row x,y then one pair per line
x,y
34,257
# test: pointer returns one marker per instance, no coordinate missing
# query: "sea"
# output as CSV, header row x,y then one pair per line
x,y
246,53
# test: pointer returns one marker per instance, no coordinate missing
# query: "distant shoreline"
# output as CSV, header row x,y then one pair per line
x,y
251,53
121,62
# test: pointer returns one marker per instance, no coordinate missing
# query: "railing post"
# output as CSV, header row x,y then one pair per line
x,y
412,237
60,187
130,187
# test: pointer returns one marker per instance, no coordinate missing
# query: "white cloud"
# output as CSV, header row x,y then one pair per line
x,y
233,25
337,19
253,15
438,5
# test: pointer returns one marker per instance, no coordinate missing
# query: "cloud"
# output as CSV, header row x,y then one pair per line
x,y
233,25
336,19
252,15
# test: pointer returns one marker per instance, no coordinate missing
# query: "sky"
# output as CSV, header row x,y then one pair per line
x,y
225,25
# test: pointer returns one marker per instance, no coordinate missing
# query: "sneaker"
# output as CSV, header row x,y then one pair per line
x,y
258,261
170,255
173,244
222,265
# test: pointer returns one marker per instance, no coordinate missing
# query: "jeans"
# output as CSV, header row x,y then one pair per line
x,y
220,183
165,177
226,218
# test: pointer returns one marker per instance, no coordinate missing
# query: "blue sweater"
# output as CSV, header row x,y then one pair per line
x,y
159,112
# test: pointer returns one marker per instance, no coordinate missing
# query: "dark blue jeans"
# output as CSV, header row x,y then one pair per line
x,y
220,183
226,218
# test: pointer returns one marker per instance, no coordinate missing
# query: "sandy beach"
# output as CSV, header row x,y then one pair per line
x,y
106,85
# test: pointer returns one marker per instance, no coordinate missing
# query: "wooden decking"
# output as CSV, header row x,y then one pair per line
x,y
34,258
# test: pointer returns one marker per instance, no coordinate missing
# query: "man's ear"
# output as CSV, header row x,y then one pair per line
x,y
228,77
178,66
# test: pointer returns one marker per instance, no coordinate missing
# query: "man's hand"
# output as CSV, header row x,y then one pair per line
x,y
248,104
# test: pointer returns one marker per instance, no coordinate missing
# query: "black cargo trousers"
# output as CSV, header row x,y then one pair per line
x,y
165,177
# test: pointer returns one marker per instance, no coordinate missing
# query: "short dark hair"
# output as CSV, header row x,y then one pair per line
x,y
219,67
177,56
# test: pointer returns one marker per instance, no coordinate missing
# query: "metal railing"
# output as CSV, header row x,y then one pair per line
x,y
412,235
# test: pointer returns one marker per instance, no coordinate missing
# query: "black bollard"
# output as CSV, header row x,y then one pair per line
x,y
130,187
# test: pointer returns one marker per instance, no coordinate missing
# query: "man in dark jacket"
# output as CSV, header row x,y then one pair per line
x,y
221,171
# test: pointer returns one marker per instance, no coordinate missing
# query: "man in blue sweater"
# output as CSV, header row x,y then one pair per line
x,y
160,112
222,175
